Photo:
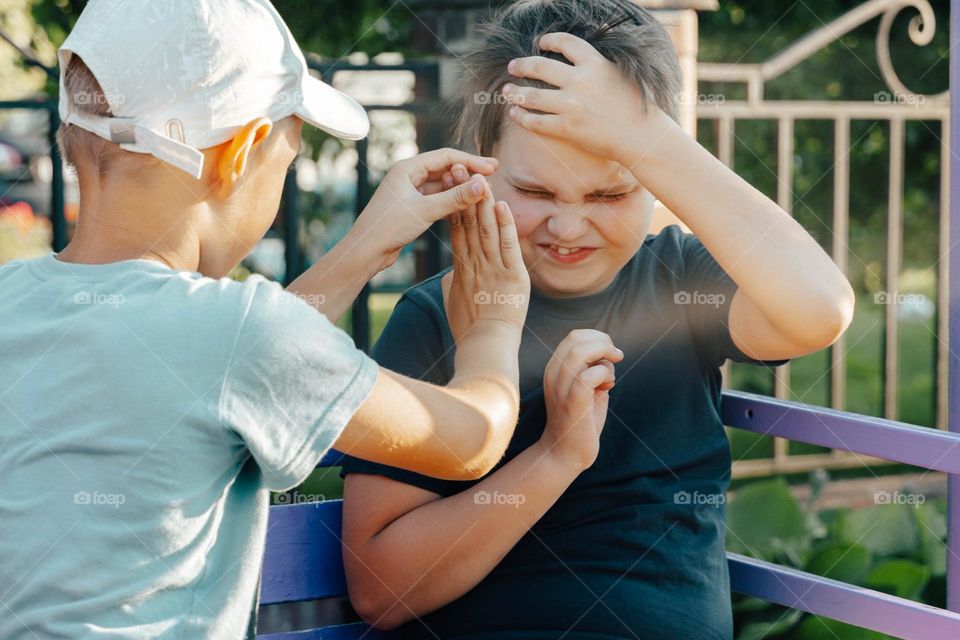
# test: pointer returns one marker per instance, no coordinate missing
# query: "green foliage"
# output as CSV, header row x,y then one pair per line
x,y
894,548
330,28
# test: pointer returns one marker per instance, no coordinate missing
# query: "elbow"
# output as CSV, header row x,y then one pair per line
x,y
485,429
497,428
831,319
377,608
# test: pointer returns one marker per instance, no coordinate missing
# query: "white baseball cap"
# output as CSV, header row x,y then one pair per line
x,y
184,75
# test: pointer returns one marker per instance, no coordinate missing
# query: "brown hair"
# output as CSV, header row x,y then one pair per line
x,y
620,30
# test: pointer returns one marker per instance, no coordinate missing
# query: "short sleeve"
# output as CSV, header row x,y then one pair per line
x,y
411,344
292,385
706,293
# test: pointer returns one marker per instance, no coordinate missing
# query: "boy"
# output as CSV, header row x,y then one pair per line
x,y
146,407
576,535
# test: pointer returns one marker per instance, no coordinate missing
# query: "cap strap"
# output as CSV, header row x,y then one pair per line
x,y
138,137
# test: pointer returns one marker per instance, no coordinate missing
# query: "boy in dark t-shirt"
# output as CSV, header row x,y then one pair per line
x,y
606,517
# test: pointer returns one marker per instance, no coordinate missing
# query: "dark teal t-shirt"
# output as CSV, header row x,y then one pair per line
x,y
635,547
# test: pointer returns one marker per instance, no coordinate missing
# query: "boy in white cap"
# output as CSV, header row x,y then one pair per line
x,y
147,404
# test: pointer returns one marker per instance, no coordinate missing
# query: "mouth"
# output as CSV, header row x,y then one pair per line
x,y
567,255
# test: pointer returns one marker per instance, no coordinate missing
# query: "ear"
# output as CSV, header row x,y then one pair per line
x,y
235,154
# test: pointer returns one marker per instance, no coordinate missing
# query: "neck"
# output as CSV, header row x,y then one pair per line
x,y
136,223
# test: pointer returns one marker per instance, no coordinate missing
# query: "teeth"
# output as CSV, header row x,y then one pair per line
x,y
565,252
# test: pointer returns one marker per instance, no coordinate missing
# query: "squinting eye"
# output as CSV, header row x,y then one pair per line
x,y
533,194
609,197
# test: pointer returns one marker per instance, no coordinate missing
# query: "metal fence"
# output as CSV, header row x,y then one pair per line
x,y
897,105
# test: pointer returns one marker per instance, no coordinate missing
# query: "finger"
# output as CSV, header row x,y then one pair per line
x,y
471,223
431,187
583,355
441,181
550,71
420,167
558,360
489,230
440,205
460,173
510,254
458,239
576,50
606,386
531,98
591,380
575,364
436,175
548,124
580,336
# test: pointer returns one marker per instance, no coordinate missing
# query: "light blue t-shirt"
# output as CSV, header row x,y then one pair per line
x,y
145,414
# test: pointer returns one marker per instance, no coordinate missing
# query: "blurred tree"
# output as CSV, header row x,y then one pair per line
x,y
331,28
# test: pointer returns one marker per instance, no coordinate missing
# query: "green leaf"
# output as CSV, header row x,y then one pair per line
x,y
899,577
770,628
841,561
932,530
765,521
885,530
820,628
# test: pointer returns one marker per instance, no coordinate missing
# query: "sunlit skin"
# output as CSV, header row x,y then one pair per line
x,y
580,218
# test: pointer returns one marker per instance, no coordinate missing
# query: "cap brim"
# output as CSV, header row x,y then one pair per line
x,y
333,111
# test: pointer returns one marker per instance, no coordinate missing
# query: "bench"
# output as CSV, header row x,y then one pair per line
x,y
303,560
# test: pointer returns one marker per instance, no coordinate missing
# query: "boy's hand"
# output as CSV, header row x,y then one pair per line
x,y
576,386
592,105
412,196
489,280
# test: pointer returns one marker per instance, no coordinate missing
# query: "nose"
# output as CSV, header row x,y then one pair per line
x,y
567,223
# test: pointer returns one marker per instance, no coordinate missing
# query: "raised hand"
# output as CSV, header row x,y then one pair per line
x,y
593,106
412,196
489,281
576,386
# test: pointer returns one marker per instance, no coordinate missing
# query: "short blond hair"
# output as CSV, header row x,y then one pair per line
x,y
82,149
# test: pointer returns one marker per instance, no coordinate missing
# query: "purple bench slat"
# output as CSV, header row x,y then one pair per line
x,y
303,562
302,559
841,601
898,441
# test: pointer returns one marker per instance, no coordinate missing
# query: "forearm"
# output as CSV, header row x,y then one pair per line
x,y
394,576
457,432
334,282
776,263
486,381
